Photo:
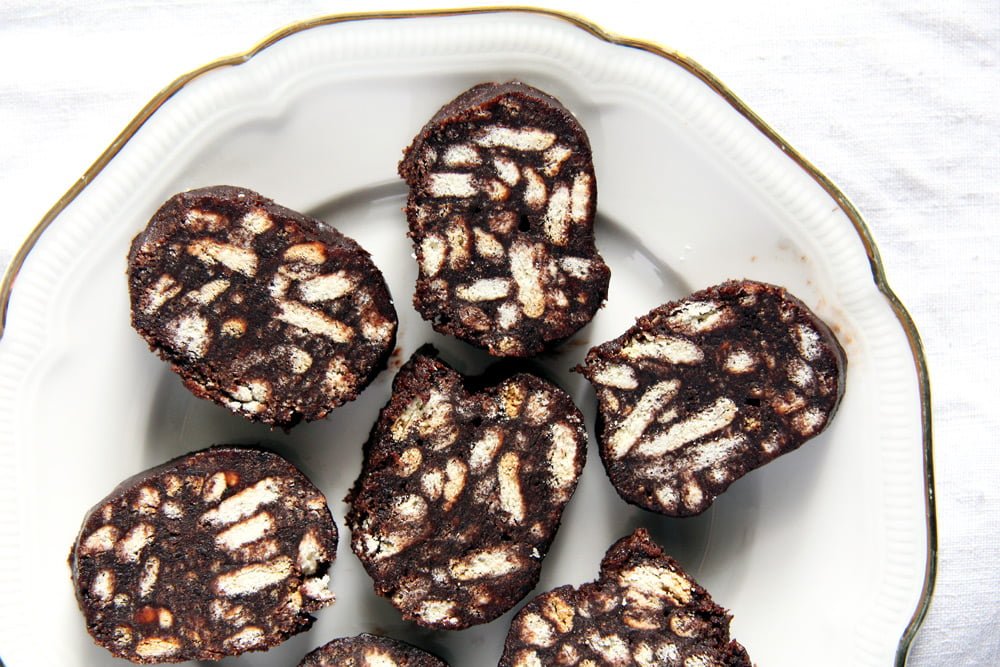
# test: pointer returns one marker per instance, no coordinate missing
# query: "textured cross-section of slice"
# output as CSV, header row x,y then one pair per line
x,y
215,553
501,214
370,651
461,491
272,314
703,390
644,610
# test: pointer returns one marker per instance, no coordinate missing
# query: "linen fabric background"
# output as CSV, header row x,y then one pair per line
x,y
897,101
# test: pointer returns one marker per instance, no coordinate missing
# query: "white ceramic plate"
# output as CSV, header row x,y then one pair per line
x,y
824,553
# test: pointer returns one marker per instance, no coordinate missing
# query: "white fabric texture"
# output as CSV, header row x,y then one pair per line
x,y
897,101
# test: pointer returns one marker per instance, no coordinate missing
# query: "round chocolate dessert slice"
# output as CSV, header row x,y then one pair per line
x,y
212,554
643,610
370,651
461,491
272,314
501,214
703,390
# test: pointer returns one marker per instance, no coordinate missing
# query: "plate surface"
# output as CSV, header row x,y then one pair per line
x,y
826,547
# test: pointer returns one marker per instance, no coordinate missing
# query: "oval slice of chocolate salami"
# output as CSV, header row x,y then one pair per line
x,y
644,610
272,314
369,651
461,491
501,214
215,553
703,390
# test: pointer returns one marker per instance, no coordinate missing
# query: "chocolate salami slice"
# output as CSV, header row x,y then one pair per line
x,y
643,610
215,553
703,390
370,651
272,314
461,491
501,214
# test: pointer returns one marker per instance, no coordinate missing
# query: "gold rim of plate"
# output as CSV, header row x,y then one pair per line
x,y
878,270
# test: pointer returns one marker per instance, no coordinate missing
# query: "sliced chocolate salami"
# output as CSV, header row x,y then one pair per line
x,y
703,390
272,314
501,214
370,651
461,491
643,610
212,554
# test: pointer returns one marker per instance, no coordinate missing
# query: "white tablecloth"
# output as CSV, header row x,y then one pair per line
x,y
895,100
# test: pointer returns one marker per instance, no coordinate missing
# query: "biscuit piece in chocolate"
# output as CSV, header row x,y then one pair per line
x,y
215,553
644,610
461,491
501,214
370,651
703,390
272,314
